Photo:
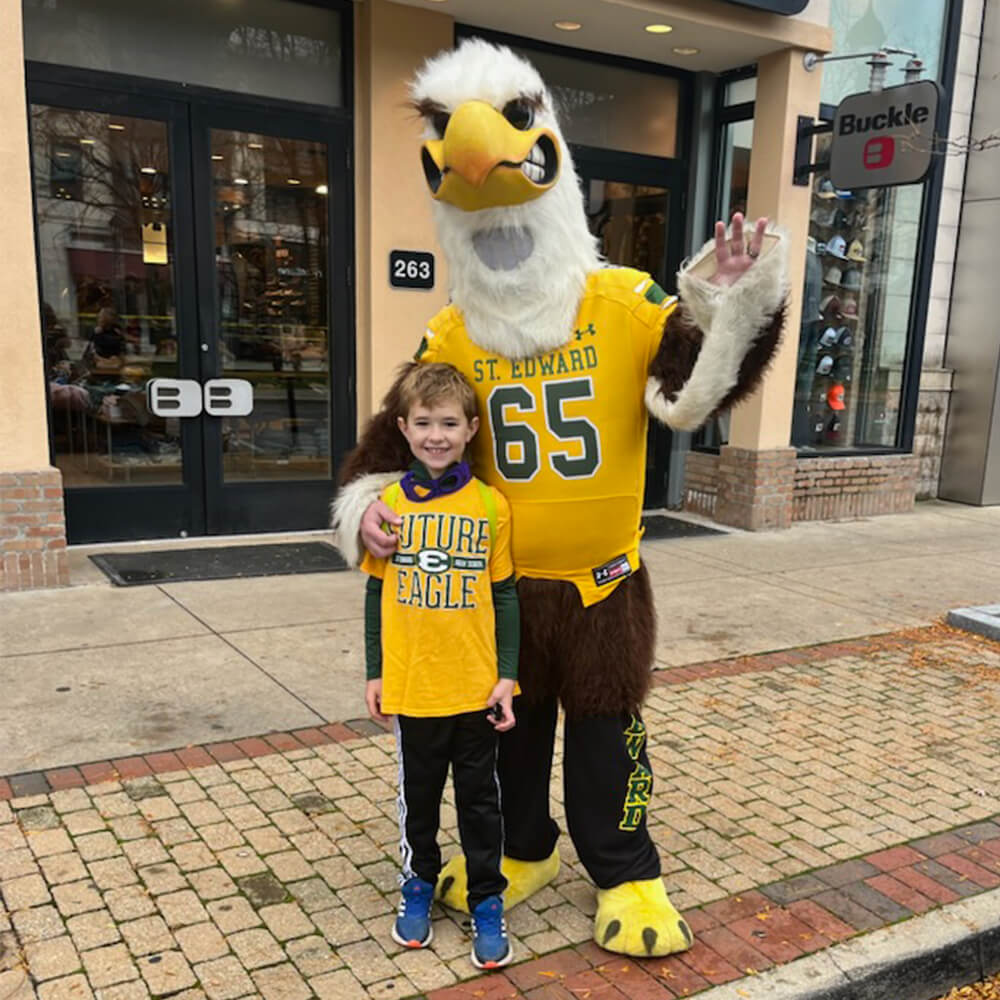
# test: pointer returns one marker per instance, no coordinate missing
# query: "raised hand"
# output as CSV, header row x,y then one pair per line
x,y
734,257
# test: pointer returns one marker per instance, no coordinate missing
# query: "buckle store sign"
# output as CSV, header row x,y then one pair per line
x,y
886,138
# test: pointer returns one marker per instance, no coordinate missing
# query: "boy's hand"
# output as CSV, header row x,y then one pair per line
x,y
379,542
502,695
373,699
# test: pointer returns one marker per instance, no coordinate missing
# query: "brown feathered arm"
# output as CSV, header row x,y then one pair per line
x,y
718,343
380,457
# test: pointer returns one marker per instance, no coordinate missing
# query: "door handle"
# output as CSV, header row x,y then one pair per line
x,y
174,397
228,397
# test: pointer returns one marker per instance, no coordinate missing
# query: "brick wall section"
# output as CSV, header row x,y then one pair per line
x,y
754,488
701,470
827,488
773,491
32,530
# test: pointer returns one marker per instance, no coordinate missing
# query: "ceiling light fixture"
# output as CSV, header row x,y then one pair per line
x,y
294,180
147,170
116,128
217,156
87,142
255,145
322,189
659,29
686,50
567,25
240,180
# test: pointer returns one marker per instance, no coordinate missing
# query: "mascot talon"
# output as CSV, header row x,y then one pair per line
x,y
637,918
524,879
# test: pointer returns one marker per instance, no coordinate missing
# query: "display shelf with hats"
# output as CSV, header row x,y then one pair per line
x,y
839,304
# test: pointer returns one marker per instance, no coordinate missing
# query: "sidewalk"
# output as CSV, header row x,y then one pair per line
x,y
804,796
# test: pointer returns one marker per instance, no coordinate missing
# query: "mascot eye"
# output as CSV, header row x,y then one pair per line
x,y
519,113
440,121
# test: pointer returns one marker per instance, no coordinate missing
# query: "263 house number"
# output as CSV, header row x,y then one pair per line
x,y
411,269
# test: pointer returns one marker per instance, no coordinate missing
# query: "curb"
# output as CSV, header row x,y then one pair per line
x,y
918,959
984,621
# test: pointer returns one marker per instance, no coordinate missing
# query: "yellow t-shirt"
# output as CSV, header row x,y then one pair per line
x,y
439,652
563,434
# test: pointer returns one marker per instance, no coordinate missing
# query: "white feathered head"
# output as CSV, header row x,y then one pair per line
x,y
507,198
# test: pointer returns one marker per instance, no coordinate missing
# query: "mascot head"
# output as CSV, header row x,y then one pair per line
x,y
506,196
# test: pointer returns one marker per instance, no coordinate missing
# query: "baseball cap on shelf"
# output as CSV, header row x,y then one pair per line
x,y
843,368
840,220
829,337
850,307
825,365
825,189
833,275
836,247
841,193
851,279
833,427
830,305
857,251
845,338
835,397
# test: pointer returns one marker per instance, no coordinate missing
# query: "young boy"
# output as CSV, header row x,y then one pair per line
x,y
441,646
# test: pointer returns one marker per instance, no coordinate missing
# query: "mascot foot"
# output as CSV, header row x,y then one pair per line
x,y
637,918
524,879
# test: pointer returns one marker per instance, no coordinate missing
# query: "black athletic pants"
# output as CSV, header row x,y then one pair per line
x,y
607,782
426,747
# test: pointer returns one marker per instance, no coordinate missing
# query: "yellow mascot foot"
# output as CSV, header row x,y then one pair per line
x,y
637,918
524,879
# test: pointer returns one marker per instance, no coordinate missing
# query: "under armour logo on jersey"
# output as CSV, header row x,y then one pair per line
x,y
589,328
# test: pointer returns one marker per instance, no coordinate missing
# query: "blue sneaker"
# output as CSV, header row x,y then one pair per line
x,y
490,947
412,928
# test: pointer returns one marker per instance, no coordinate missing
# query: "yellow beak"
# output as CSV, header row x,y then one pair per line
x,y
484,162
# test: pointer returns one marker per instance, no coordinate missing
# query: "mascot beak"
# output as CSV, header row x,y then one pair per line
x,y
484,162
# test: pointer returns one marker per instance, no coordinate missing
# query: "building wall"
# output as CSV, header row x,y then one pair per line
x,y
32,525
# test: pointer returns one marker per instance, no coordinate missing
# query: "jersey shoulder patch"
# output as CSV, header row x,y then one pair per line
x,y
441,323
632,286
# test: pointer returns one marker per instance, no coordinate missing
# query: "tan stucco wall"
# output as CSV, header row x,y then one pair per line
x,y
784,91
392,202
23,424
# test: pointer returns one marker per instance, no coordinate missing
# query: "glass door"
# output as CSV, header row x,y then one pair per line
x,y
113,217
633,207
275,314
209,244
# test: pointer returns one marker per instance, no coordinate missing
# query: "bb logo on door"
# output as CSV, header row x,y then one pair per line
x,y
879,153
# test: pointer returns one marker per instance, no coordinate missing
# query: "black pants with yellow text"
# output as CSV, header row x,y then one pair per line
x,y
607,782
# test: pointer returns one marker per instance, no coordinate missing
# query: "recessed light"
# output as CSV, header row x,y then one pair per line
x,y
686,50
659,29
294,180
240,180
116,128
147,170
217,156
62,154
87,142
567,25
255,145
322,189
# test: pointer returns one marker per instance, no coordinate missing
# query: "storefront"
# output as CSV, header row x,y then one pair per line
x,y
213,192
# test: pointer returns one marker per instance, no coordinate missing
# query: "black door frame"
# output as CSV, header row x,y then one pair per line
x,y
105,514
654,171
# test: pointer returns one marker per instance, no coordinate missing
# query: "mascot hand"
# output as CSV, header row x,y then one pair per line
x,y
734,257
377,535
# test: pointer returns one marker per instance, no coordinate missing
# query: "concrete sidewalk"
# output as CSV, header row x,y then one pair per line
x,y
94,671
194,818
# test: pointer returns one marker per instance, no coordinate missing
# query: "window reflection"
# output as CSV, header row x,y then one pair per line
x,y
102,194
271,200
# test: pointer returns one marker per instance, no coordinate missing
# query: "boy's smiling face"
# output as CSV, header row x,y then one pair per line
x,y
438,434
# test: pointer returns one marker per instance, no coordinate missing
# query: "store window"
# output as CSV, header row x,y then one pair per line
x,y
272,48
611,107
862,252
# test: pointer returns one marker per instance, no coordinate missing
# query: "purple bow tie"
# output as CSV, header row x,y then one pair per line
x,y
451,482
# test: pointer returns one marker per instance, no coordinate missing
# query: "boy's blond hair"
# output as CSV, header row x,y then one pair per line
x,y
432,384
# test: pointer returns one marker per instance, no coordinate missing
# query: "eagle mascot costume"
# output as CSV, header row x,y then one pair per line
x,y
566,355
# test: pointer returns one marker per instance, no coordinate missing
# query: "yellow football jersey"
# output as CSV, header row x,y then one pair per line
x,y
563,434
439,651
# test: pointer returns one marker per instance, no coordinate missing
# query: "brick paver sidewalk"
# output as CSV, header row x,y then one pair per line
x,y
802,797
